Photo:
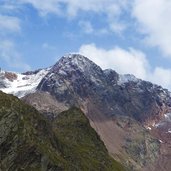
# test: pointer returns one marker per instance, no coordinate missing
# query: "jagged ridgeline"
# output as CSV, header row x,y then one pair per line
x,y
30,142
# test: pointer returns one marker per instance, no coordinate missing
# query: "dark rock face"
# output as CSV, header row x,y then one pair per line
x,y
76,78
6,77
73,77
112,76
2,82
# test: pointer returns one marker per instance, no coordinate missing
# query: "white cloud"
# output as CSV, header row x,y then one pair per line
x,y
123,61
117,27
9,23
152,15
48,46
86,26
161,76
9,55
111,9
45,7
9,7
129,61
154,19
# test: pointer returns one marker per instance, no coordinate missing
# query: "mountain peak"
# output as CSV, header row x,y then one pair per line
x,y
74,62
74,59
75,56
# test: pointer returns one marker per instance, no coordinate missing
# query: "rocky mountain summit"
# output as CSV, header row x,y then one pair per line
x,y
131,116
75,78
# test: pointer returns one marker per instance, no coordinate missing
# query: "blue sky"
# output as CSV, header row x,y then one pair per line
x,y
129,37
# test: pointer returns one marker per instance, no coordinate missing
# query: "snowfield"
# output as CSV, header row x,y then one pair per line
x,y
23,84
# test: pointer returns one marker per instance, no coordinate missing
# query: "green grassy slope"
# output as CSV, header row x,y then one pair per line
x,y
82,146
30,142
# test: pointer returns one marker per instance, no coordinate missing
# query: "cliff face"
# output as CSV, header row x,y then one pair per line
x,y
28,141
74,79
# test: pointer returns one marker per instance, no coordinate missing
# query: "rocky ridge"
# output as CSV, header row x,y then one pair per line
x,y
30,142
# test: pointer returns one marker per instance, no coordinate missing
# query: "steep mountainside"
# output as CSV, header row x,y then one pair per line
x,y
105,95
130,115
30,142
75,78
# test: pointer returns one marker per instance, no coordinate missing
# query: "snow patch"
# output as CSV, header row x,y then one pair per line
x,y
160,124
149,128
164,121
160,141
127,78
167,117
24,84
169,130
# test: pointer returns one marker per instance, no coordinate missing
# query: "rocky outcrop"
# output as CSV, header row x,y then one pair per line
x,y
45,103
10,76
